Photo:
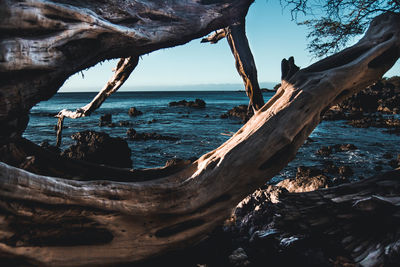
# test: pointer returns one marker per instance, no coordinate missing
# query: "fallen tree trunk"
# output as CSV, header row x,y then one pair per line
x,y
54,221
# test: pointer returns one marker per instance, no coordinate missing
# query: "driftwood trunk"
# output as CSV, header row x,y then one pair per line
x,y
54,221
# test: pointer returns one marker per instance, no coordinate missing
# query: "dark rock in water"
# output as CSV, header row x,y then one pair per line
x,y
303,171
382,97
387,155
152,121
395,163
325,151
346,171
328,150
133,135
242,112
46,145
330,168
125,123
99,147
106,119
378,121
198,103
345,147
133,112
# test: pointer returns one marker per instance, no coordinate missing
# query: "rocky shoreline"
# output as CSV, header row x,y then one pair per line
x,y
249,237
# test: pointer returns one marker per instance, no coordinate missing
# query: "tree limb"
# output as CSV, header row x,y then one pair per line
x,y
244,61
124,68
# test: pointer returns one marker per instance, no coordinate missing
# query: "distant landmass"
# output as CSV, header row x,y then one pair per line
x,y
190,87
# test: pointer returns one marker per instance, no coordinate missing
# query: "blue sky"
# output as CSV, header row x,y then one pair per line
x,y
272,36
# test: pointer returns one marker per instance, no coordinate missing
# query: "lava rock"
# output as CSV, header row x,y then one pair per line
x,y
328,150
304,184
304,171
133,112
135,136
99,147
382,97
242,112
346,171
325,151
105,120
387,155
124,123
395,163
198,103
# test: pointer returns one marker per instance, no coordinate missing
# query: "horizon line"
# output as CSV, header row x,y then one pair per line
x,y
179,87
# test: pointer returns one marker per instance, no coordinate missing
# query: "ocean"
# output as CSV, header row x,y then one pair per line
x,y
201,130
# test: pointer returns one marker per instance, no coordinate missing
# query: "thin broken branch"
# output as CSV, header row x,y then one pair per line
x,y
124,68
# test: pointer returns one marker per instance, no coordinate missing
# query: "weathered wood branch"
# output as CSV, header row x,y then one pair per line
x,y
124,68
215,36
59,128
42,43
244,60
245,65
124,222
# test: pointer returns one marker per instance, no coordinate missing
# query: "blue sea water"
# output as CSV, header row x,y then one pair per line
x,y
200,130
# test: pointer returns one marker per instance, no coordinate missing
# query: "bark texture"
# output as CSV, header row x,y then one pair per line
x,y
244,60
54,221
42,43
245,64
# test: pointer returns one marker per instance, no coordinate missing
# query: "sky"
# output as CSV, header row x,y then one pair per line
x,y
272,36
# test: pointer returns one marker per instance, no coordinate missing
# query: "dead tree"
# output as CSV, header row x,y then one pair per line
x,y
56,221
244,60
